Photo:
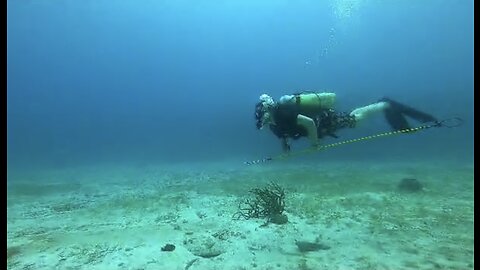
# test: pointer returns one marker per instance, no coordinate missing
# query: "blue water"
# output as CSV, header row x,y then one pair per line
x,y
92,82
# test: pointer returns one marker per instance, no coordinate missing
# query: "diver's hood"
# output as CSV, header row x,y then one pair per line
x,y
261,110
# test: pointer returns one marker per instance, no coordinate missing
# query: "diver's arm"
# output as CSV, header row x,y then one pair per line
x,y
310,126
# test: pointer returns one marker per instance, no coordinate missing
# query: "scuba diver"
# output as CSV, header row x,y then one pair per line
x,y
312,115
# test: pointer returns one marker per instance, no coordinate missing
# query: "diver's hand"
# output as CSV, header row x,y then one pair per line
x,y
285,154
315,145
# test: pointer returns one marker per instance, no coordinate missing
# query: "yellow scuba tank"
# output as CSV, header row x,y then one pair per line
x,y
311,102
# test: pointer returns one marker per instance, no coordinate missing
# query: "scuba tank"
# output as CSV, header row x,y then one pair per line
x,y
310,102
316,100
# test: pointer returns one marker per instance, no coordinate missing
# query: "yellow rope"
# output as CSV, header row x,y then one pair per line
x,y
450,123
320,148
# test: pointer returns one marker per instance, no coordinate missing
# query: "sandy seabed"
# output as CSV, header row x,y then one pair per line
x,y
120,217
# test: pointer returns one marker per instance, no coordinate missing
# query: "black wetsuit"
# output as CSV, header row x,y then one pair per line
x,y
327,121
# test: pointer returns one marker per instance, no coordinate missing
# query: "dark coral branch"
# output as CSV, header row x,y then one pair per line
x,y
266,201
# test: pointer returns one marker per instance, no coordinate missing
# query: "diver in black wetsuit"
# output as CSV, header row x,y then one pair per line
x,y
311,114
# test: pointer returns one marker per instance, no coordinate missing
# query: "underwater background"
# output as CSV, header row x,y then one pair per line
x,y
129,122
153,81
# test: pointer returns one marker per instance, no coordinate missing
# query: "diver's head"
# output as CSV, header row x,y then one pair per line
x,y
262,111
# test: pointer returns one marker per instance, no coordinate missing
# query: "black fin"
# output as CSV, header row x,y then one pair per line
x,y
395,119
409,111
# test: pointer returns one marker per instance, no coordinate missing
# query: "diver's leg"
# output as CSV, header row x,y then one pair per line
x,y
369,110
394,113
394,117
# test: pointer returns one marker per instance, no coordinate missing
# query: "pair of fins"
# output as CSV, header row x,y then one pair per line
x,y
396,112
